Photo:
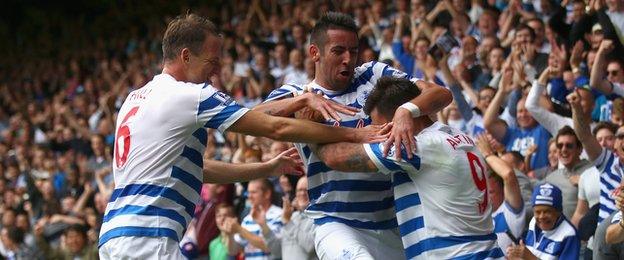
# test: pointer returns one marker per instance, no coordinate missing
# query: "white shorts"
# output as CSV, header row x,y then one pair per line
x,y
338,241
141,248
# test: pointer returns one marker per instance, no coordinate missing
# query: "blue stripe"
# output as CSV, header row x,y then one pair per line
x,y
187,178
362,207
256,254
389,164
407,201
137,232
145,211
386,224
306,151
412,225
194,156
154,191
492,253
607,209
608,186
202,135
442,242
208,104
316,168
400,178
500,223
218,119
348,185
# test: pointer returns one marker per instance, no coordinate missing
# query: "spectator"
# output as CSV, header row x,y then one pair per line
x,y
550,234
298,232
76,244
251,235
218,246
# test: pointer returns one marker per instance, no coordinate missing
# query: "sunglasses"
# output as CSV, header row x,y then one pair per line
x,y
567,145
612,72
619,136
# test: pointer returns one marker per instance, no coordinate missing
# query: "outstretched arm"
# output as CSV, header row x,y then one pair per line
x,y
582,128
288,162
293,130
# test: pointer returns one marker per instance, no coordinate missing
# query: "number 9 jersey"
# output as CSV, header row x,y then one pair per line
x,y
441,198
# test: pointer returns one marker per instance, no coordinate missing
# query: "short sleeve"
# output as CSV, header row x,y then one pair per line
x,y
390,164
602,160
617,217
217,110
285,91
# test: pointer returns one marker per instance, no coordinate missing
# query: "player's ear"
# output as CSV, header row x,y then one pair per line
x,y
185,55
315,52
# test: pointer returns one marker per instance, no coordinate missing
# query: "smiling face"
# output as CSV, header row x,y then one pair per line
x,y
545,216
569,150
203,65
336,59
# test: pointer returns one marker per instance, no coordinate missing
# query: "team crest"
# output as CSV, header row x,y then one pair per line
x,y
545,192
550,248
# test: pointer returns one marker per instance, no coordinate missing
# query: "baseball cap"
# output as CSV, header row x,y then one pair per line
x,y
547,194
597,27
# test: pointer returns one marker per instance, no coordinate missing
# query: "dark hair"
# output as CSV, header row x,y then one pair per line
x,y
186,31
524,26
80,229
15,235
331,20
567,130
224,205
605,125
266,185
389,93
517,156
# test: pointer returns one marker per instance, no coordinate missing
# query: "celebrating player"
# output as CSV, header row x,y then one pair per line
x,y
440,194
353,213
161,137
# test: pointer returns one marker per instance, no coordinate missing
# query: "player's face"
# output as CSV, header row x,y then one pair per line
x,y
338,58
545,216
569,151
207,63
378,118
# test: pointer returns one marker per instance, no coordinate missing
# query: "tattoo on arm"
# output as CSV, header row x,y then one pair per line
x,y
347,157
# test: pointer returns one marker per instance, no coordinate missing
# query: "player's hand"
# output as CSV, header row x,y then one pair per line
x,y
288,162
287,209
372,133
403,133
258,214
327,108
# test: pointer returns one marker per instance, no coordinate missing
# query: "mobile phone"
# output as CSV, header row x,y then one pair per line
x,y
444,44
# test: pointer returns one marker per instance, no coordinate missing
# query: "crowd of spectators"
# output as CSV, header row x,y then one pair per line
x,y
520,72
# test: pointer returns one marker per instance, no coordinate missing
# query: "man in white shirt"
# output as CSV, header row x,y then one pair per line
x,y
160,139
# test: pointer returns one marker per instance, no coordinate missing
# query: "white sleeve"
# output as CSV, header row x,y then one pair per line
x,y
390,164
618,89
617,217
217,110
549,120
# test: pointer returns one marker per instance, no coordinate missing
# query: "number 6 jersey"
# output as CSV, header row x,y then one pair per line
x,y
441,196
159,146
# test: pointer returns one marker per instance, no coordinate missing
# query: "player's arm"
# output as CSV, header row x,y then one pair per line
x,y
345,157
288,106
303,131
511,188
287,162
433,98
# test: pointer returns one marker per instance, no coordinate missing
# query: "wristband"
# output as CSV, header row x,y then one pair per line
x,y
413,109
